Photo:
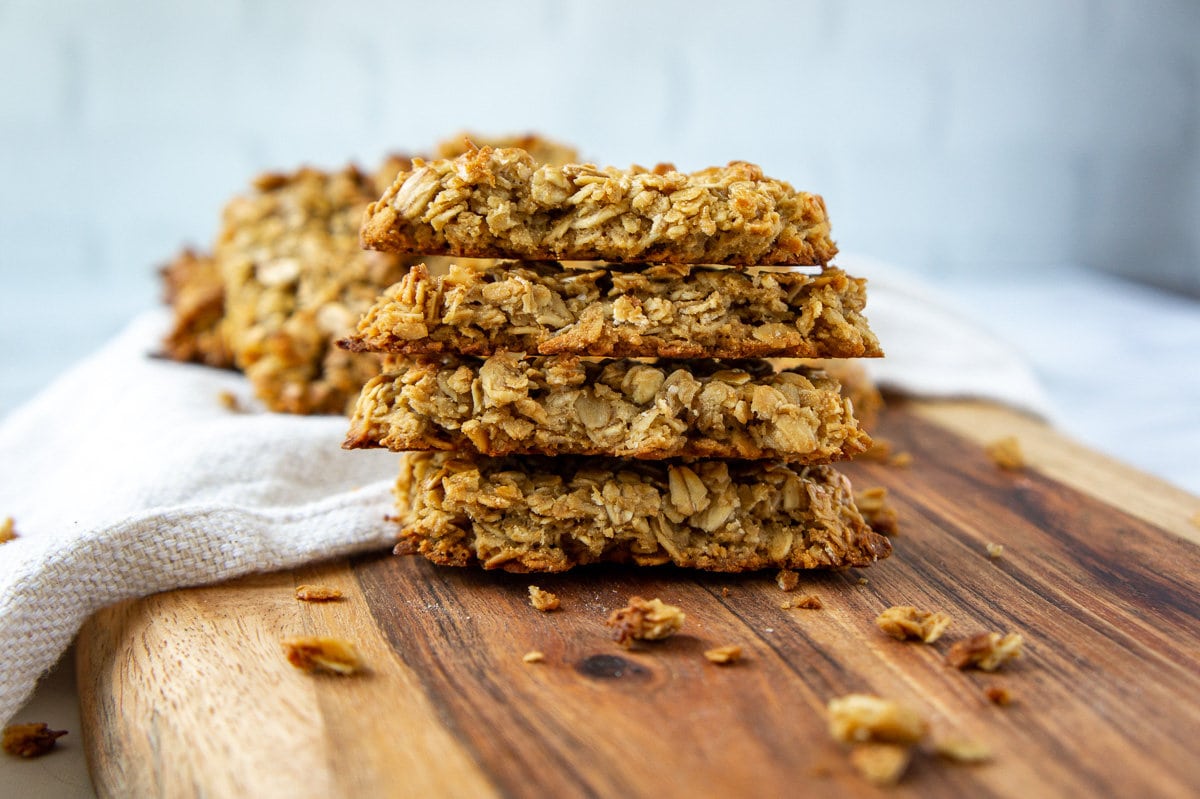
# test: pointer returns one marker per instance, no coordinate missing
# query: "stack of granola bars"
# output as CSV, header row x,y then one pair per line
x,y
601,397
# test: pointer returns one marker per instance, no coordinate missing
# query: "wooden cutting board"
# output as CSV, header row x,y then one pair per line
x,y
188,694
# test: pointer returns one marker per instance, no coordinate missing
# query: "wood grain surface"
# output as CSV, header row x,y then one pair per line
x,y
188,694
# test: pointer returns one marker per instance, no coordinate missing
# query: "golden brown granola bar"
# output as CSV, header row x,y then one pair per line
x,y
533,514
498,203
563,404
664,311
295,281
194,291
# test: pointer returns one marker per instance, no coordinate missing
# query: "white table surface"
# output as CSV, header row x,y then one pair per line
x,y
1120,363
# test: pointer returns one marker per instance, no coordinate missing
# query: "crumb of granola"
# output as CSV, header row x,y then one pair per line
x,y
724,655
905,621
30,740
998,695
901,460
1006,453
806,602
860,718
315,653
963,750
725,591
533,656
881,764
874,506
7,530
863,581
543,600
787,580
986,651
317,593
995,550
644,620
229,401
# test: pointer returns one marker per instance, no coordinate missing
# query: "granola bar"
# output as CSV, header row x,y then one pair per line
x,y
498,203
663,311
537,514
196,294
295,281
563,404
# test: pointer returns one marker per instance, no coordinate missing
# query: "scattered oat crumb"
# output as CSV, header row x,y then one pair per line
x,y
725,591
806,602
787,580
1006,453
901,459
905,621
317,593
7,530
863,581
962,750
30,740
859,718
542,600
986,651
229,401
644,620
321,653
724,655
995,550
998,695
873,504
533,657
881,764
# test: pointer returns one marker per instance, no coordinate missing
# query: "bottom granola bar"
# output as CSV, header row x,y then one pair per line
x,y
540,514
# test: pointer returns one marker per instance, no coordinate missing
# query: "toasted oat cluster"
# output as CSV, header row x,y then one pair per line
x,y
645,620
905,621
724,655
317,593
544,601
499,203
661,310
858,718
29,740
562,404
986,651
540,148
550,514
196,293
315,653
295,281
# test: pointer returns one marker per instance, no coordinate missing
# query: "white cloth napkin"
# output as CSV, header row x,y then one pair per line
x,y
127,476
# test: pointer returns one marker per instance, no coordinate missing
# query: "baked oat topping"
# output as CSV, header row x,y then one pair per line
x,y
986,651
1006,453
787,580
316,653
724,655
877,510
563,404
317,593
644,620
806,602
540,148
881,764
903,622
499,203
534,656
859,718
660,310
7,530
542,600
29,740
534,514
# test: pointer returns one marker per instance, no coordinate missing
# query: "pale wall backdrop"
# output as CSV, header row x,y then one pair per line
x,y
947,136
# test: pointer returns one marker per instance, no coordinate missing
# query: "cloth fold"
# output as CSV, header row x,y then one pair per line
x,y
128,475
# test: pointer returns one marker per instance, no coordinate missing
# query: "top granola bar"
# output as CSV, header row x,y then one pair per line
x,y
498,203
